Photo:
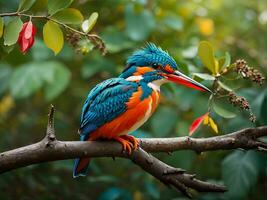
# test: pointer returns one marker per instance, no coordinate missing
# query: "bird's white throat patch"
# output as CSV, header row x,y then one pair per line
x,y
155,85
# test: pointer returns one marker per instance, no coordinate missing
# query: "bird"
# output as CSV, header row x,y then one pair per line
x,y
118,106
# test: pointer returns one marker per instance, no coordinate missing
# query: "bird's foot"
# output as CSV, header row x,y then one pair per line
x,y
128,143
132,139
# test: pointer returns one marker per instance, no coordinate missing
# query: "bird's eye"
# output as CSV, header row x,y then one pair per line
x,y
156,65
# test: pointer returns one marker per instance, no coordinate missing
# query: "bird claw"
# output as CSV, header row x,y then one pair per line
x,y
133,141
128,143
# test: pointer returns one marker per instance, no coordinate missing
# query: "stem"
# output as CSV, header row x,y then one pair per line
x,y
214,89
72,29
8,14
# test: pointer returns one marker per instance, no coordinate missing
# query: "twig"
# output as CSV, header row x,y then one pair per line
x,y
50,137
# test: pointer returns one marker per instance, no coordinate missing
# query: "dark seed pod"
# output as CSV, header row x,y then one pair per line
x,y
247,72
240,102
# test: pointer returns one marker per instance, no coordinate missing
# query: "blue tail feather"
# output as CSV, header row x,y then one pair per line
x,y
81,167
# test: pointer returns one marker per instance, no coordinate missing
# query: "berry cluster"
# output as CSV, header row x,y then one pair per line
x,y
254,75
242,103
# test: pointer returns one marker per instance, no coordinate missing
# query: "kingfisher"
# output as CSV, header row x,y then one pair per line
x,y
118,106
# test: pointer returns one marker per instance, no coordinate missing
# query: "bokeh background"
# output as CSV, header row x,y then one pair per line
x,y
239,27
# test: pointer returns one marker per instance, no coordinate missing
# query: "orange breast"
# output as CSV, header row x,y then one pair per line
x,y
137,113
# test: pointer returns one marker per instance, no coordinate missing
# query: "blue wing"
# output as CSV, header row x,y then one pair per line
x,y
104,103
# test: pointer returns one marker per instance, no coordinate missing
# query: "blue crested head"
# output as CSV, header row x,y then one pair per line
x,y
151,55
150,58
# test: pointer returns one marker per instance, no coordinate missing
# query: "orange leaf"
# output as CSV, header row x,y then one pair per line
x,y
196,123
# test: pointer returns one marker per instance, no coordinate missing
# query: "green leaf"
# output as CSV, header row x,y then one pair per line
x,y
221,61
139,25
25,5
1,26
12,31
227,59
88,24
218,108
206,54
25,80
227,88
163,121
5,73
58,81
240,173
204,76
69,16
53,36
56,5
224,61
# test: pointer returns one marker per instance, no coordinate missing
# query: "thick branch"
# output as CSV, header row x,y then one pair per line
x,y
50,149
39,152
36,153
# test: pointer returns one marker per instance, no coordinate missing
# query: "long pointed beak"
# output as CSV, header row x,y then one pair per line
x,y
179,78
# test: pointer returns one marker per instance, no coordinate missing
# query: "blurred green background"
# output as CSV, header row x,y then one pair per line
x,y
239,27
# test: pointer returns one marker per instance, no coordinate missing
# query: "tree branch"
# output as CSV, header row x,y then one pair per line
x,y
50,149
